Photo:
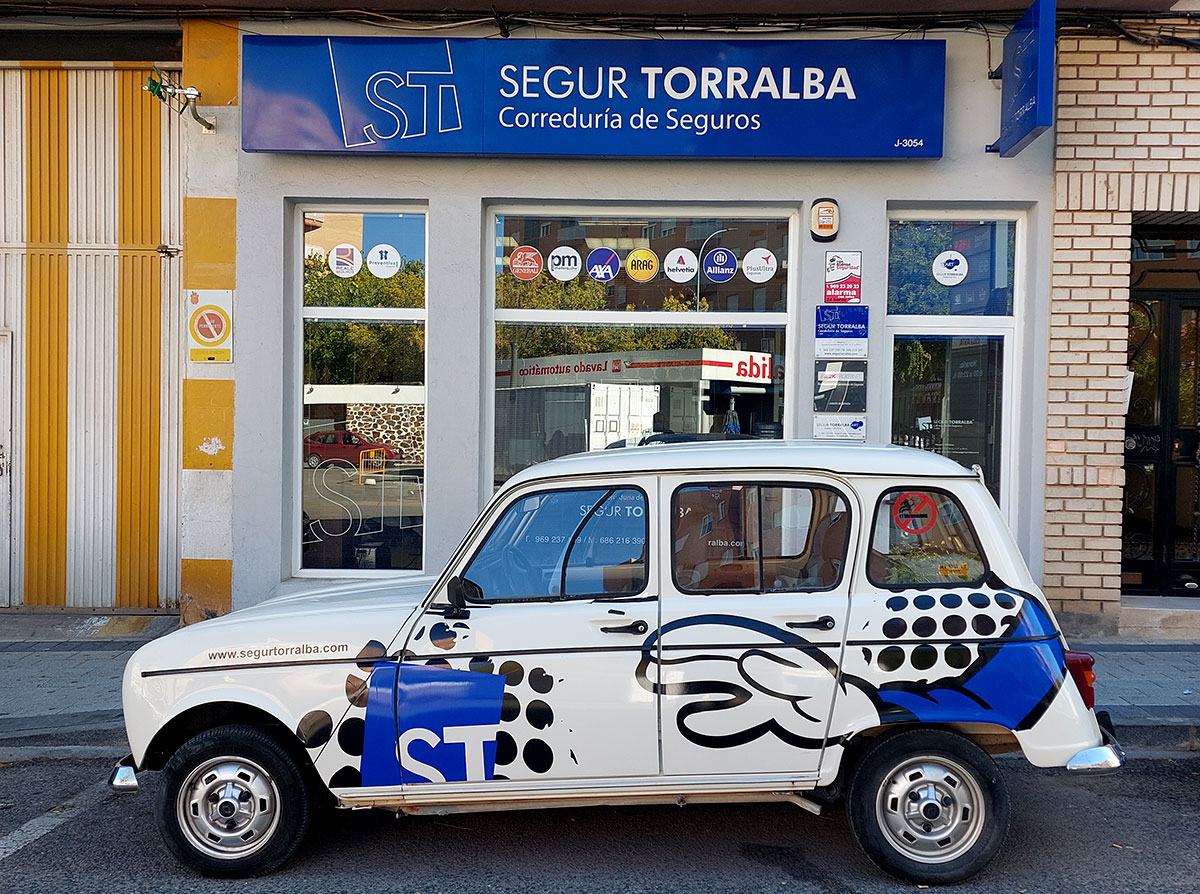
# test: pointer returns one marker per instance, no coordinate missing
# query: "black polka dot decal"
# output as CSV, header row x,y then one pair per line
x,y
1006,600
951,600
442,636
350,735
897,603
954,625
347,777
924,627
866,655
437,662
894,628
540,681
958,656
512,672
924,657
357,690
420,634
537,756
539,714
924,603
510,707
891,659
506,749
314,729
979,600
983,625
370,653
481,664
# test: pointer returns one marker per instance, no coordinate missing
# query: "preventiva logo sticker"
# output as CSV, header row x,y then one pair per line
x,y
680,265
603,265
383,261
564,263
720,265
642,265
345,260
759,265
525,262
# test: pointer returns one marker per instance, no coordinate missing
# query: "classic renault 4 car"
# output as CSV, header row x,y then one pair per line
x,y
742,621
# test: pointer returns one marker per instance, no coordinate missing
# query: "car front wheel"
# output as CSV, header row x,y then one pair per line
x,y
233,802
928,806
312,460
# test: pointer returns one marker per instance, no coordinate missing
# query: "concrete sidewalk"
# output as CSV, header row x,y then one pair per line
x,y
62,673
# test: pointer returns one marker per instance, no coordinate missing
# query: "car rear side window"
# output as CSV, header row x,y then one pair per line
x,y
923,538
758,538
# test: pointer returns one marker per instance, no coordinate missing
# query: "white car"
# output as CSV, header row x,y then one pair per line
x,y
738,621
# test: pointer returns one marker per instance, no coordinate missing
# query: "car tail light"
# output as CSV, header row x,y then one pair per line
x,y
1080,665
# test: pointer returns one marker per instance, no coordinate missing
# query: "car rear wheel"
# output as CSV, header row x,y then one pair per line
x,y
233,803
928,806
312,460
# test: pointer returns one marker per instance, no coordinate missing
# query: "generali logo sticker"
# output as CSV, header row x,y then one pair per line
x,y
525,262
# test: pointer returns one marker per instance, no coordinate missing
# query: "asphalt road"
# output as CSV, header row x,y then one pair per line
x,y
1133,832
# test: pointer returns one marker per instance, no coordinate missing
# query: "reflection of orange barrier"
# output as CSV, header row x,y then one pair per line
x,y
370,462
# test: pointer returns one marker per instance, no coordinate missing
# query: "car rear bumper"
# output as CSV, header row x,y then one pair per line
x,y
123,777
1107,757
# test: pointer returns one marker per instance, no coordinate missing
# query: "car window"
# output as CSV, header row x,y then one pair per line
x,y
922,537
758,538
565,544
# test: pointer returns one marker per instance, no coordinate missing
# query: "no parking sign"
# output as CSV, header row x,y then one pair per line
x,y
209,314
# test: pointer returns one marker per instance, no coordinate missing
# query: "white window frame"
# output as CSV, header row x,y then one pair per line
x,y
300,314
788,321
1012,431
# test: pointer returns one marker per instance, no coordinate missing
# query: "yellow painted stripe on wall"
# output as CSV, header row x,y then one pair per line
x,y
210,59
209,243
139,350
46,291
206,586
208,424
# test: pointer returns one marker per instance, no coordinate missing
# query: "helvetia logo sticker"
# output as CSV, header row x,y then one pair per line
x,y
680,265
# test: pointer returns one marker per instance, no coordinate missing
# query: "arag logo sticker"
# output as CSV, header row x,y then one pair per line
x,y
759,265
345,260
603,265
680,265
525,263
641,264
720,265
564,263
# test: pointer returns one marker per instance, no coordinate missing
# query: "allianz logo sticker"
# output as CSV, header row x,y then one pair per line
x,y
444,729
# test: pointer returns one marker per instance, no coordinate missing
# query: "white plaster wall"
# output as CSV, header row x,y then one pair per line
x,y
457,192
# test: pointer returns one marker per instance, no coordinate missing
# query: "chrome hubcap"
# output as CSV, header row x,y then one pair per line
x,y
930,809
228,807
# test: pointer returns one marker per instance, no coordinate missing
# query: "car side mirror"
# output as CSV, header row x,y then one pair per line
x,y
456,593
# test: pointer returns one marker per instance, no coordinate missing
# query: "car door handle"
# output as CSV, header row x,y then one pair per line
x,y
637,627
825,622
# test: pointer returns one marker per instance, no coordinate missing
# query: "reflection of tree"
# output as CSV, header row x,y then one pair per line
x,y
912,363
1143,349
545,293
912,248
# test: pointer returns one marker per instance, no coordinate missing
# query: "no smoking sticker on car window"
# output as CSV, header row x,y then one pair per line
x,y
914,513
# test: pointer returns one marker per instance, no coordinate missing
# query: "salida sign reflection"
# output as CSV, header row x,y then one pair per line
x,y
764,98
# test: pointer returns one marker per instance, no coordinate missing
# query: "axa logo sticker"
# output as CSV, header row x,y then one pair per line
x,y
603,264
443,728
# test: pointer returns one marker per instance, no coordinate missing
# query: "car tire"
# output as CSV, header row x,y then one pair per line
x,y
234,803
312,460
928,806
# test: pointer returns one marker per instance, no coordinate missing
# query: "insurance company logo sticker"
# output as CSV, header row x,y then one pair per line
x,y
680,265
345,260
383,261
759,264
603,265
642,265
564,263
525,262
720,265
950,268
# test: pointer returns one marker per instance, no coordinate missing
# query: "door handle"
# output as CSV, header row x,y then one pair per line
x,y
825,622
637,627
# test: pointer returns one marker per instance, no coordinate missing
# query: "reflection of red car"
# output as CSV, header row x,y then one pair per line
x,y
324,446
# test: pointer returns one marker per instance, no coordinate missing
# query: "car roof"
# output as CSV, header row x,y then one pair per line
x,y
843,459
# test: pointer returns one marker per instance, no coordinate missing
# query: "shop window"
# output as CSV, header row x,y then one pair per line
x,y
362,441
565,544
922,538
767,538
951,267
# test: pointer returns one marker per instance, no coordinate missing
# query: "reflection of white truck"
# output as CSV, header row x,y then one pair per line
x,y
561,419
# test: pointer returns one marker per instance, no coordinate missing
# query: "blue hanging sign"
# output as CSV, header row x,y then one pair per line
x,y
1027,93
598,98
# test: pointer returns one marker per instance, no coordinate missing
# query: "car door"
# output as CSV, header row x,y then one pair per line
x,y
754,607
535,680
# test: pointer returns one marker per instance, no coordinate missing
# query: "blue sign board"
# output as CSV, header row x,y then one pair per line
x,y
842,330
1027,93
632,98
